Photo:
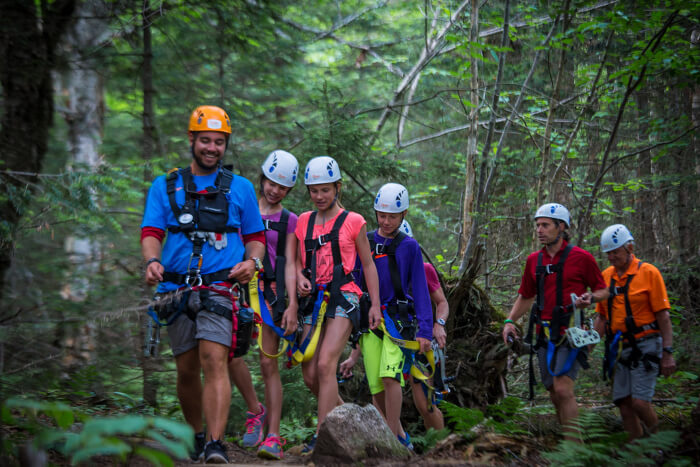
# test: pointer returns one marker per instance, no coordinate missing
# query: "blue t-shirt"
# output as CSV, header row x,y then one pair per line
x,y
243,213
410,262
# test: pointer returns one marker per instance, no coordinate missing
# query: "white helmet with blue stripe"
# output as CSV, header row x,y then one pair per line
x,y
392,197
554,211
281,167
614,237
321,169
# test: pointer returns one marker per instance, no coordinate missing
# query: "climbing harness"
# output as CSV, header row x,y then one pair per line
x,y
276,300
263,315
614,343
550,330
398,322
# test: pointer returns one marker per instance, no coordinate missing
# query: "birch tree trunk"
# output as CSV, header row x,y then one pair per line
x,y
472,137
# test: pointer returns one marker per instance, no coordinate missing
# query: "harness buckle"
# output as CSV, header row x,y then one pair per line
x,y
401,302
266,223
193,280
321,242
548,269
378,249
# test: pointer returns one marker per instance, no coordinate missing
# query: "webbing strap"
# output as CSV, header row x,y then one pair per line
x,y
257,302
551,349
280,261
379,249
339,278
303,352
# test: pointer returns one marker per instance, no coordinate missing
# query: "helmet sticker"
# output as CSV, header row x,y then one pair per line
x,y
214,124
306,175
294,175
329,168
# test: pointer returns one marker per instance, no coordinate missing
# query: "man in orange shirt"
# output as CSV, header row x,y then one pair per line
x,y
637,324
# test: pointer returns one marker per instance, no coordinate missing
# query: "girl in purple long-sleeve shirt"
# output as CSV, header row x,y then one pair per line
x,y
383,359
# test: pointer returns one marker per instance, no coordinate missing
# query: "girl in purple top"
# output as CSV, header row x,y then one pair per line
x,y
383,359
279,174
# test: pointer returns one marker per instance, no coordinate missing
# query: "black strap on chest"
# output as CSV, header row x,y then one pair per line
x,y
403,308
276,301
560,317
222,185
214,216
631,328
339,278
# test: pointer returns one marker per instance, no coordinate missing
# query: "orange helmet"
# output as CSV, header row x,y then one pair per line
x,y
210,118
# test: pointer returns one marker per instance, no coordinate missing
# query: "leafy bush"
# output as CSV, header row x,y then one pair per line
x,y
52,425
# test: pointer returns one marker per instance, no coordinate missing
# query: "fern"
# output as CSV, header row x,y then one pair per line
x,y
463,419
429,439
597,446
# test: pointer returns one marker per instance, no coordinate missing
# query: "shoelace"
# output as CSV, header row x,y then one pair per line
x,y
253,422
270,441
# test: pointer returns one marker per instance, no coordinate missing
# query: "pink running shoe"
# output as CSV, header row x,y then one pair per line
x,y
254,428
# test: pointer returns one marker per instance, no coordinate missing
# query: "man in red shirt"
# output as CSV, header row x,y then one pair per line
x,y
638,330
562,269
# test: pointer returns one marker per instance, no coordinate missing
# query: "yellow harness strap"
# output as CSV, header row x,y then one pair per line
x,y
255,298
415,347
304,355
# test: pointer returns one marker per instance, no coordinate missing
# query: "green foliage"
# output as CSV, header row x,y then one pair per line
x,y
429,439
462,419
597,446
53,426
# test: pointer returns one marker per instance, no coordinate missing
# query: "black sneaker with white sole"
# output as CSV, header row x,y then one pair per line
x,y
200,439
214,452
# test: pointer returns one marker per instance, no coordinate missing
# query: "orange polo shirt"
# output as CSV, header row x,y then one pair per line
x,y
647,296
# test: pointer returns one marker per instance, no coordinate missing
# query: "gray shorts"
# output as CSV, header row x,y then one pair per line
x,y
637,382
561,353
183,332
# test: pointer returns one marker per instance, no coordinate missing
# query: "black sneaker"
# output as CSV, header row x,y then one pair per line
x,y
214,452
200,439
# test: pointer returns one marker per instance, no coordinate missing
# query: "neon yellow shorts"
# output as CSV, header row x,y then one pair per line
x,y
383,359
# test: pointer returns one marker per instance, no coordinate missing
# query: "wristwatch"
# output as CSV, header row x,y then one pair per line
x,y
153,260
668,350
440,321
258,263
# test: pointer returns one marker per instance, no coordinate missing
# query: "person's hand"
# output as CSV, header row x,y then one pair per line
x,y
303,286
510,333
154,273
346,367
439,335
289,320
424,344
243,272
375,316
584,301
668,364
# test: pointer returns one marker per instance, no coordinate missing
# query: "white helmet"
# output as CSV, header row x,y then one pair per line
x,y
281,167
321,169
391,197
405,227
554,211
614,237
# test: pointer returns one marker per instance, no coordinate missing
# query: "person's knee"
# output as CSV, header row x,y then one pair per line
x,y
640,406
212,361
326,369
268,367
188,376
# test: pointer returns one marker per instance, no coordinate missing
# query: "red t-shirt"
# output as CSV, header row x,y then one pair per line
x,y
432,277
581,273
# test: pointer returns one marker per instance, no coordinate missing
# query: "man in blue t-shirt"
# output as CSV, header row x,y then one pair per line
x,y
215,239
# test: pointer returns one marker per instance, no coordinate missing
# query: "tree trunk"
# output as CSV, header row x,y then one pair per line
x,y
150,366
27,44
472,138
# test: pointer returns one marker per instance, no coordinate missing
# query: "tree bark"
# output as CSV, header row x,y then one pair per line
x,y
150,366
27,44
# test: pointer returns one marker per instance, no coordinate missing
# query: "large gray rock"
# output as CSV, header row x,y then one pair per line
x,y
351,434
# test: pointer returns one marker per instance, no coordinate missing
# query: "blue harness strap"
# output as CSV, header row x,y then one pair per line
x,y
551,348
267,319
180,308
314,319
